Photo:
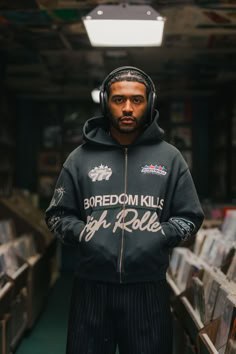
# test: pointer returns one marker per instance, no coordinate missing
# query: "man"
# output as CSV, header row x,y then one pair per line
x,y
123,199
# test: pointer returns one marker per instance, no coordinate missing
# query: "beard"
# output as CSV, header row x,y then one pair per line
x,y
138,125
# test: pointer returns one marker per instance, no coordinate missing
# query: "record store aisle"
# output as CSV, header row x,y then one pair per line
x,y
48,336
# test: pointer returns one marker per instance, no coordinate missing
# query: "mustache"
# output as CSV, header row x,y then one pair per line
x,y
127,116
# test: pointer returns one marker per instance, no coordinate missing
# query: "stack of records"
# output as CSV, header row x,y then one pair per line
x,y
7,231
231,273
214,248
25,247
9,262
229,226
183,266
226,332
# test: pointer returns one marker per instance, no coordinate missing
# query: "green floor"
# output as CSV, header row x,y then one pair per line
x,y
48,336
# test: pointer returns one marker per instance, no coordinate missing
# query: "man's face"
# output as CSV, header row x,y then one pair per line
x,y
127,105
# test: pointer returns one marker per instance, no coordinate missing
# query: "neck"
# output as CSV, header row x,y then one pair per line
x,y
123,139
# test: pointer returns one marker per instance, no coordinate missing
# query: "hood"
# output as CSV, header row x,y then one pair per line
x,y
96,132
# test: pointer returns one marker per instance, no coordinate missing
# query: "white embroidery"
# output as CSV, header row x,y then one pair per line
x,y
104,200
100,173
94,225
127,220
58,194
135,223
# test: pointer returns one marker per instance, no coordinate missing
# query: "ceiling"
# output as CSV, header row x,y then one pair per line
x,y
45,52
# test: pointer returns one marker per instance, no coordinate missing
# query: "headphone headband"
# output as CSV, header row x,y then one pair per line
x,y
124,68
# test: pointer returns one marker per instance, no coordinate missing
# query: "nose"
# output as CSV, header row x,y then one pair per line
x,y
127,108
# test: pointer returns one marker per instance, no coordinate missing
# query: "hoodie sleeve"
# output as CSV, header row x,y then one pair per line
x,y
186,215
63,215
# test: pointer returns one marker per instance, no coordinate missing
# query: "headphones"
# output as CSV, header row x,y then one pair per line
x,y
151,99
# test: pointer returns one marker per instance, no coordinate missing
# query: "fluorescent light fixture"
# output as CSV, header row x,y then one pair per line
x,y
124,26
95,95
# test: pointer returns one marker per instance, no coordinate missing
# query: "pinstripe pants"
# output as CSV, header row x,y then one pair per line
x,y
136,317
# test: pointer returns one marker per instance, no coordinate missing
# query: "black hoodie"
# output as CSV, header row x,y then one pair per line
x,y
122,207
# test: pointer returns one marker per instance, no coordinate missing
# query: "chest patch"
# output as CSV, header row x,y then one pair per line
x,y
154,170
100,173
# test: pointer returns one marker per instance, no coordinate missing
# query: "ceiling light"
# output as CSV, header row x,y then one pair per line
x,y
124,26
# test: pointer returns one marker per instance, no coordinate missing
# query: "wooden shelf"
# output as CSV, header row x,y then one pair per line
x,y
15,340
202,336
205,345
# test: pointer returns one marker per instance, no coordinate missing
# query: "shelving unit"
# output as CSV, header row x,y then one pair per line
x,y
202,291
233,144
223,147
60,134
7,144
177,123
23,298
188,325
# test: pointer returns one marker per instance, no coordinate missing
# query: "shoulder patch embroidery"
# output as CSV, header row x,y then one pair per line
x,y
100,173
58,194
154,169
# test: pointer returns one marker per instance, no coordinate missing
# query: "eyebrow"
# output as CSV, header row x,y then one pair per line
x,y
114,96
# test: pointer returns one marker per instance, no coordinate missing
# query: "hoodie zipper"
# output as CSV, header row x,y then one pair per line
x,y
123,211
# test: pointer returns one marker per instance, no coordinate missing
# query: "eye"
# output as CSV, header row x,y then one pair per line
x,y
118,100
137,100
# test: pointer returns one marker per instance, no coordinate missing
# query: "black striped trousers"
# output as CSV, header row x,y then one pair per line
x,y
136,317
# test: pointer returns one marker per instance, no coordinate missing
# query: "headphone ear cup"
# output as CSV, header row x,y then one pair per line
x,y
101,100
152,104
149,105
105,102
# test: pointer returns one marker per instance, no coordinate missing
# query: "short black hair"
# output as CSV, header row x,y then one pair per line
x,y
128,75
